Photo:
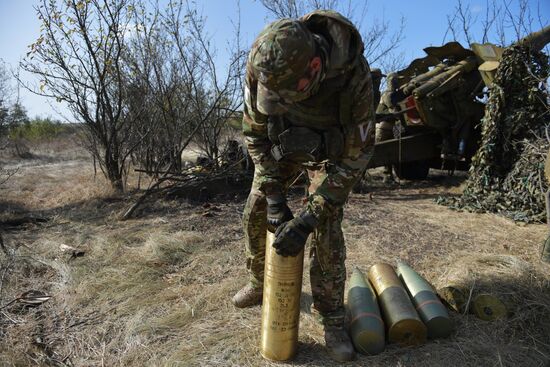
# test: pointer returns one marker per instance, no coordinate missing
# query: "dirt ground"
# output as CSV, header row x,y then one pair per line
x,y
155,290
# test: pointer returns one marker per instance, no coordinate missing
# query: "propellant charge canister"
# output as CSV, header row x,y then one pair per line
x,y
281,303
485,306
403,323
489,307
453,297
366,325
432,312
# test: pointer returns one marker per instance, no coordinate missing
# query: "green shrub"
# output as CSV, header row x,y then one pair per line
x,y
37,129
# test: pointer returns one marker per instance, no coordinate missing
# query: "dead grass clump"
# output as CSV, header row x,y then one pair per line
x,y
522,287
38,186
147,291
471,267
171,248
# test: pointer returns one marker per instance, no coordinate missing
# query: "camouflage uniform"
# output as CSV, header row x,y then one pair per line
x,y
339,112
388,103
376,81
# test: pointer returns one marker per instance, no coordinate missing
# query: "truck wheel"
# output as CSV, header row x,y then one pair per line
x,y
417,170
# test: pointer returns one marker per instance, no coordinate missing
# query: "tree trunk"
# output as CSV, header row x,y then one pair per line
x,y
114,173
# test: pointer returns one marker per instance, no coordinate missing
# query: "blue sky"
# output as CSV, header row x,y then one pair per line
x,y
425,24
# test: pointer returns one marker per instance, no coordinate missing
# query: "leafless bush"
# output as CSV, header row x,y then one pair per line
x,y
144,82
5,90
497,21
4,103
178,95
78,60
177,77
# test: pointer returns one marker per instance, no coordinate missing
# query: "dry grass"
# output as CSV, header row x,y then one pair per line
x,y
156,291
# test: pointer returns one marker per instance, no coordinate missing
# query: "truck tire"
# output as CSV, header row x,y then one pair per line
x,y
416,170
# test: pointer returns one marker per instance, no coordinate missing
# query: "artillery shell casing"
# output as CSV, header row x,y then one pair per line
x,y
429,307
281,303
403,323
366,325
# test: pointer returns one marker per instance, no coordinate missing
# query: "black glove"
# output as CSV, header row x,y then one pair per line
x,y
277,212
291,237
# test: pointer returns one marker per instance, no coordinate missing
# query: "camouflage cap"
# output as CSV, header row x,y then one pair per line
x,y
279,58
393,80
377,73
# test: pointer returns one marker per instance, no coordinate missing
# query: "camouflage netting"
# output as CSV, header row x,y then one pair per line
x,y
507,173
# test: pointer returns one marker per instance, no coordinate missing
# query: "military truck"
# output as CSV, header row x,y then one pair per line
x,y
435,106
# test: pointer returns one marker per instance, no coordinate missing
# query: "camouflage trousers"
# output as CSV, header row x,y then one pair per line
x,y
545,255
326,245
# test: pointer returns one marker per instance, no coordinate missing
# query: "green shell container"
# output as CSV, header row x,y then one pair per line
x,y
367,329
432,312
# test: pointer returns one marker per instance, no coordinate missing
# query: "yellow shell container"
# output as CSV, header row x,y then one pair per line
x,y
281,303
402,320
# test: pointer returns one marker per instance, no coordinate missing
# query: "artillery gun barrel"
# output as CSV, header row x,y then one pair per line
x,y
461,67
416,81
536,40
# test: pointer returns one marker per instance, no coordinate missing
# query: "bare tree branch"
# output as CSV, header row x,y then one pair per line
x,y
499,18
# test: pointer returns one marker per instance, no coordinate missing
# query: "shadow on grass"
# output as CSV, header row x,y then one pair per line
x,y
220,192
306,303
435,185
14,215
101,209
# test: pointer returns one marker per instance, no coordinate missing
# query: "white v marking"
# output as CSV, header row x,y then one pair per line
x,y
364,131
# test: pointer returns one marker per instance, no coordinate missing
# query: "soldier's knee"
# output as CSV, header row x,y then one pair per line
x,y
256,202
257,194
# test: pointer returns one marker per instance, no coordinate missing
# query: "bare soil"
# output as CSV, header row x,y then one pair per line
x,y
155,291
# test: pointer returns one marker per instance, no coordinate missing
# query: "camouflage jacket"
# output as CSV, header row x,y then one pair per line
x,y
343,105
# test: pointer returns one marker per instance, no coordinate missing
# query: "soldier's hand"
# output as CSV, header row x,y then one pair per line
x,y
291,236
278,212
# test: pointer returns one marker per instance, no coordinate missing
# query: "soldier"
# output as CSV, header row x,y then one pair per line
x,y
308,106
376,75
388,104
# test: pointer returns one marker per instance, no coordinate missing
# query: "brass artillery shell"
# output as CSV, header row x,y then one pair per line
x,y
403,323
429,307
366,325
281,303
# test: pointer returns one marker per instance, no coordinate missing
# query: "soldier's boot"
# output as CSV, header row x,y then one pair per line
x,y
248,296
338,344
